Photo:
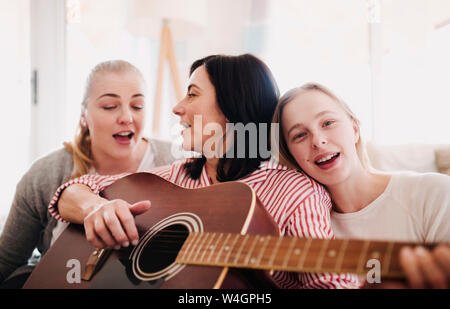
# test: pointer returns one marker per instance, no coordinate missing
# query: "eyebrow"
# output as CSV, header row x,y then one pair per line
x,y
193,85
113,95
299,125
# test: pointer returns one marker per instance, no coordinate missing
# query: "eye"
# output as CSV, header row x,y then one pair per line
x,y
109,107
328,123
191,94
138,107
299,136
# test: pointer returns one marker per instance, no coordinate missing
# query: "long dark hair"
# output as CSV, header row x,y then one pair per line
x,y
246,93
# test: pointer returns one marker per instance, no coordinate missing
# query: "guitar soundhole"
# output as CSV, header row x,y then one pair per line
x,y
162,249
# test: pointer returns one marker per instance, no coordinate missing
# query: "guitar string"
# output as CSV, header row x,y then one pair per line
x,y
263,263
166,239
168,236
165,246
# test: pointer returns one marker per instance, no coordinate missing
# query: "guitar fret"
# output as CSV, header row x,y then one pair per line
x,y
340,257
362,258
288,255
278,253
208,246
305,252
214,246
322,254
297,253
281,253
231,248
247,258
330,255
266,240
274,251
195,238
200,245
223,248
240,249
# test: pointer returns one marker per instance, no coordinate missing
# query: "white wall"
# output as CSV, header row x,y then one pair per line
x,y
102,37
301,41
48,57
33,32
15,97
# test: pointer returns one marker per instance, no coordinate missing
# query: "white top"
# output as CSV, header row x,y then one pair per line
x,y
414,207
146,164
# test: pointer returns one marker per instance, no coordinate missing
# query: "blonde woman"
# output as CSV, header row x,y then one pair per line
x,y
320,136
109,141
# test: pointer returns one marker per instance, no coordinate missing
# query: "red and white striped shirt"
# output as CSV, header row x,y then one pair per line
x,y
299,205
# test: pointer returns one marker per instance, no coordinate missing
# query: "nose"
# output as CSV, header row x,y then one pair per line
x,y
319,140
126,116
179,109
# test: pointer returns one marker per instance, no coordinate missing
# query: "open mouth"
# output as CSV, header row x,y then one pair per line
x,y
327,159
185,126
124,136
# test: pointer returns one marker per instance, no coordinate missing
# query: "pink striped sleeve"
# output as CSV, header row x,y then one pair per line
x,y
314,212
95,182
162,171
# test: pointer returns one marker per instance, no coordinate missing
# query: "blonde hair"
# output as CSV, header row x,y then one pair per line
x,y
81,146
282,154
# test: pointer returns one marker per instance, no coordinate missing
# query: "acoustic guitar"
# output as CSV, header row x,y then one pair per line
x,y
213,237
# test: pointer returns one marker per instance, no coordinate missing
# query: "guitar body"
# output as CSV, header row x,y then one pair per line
x,y
230,207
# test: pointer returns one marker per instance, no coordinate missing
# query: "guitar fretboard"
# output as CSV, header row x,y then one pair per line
x,y
291,253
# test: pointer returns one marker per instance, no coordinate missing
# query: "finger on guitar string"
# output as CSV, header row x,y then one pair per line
x,y
102,231
410,265
92,237
105,225
128,224
113,224
433,275
442,255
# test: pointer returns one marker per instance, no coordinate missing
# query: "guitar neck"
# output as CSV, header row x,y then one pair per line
x,y
291,253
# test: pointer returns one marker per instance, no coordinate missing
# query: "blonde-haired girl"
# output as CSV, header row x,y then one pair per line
x,y
321,136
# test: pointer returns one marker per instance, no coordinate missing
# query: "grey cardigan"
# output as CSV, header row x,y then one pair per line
x,y
29,224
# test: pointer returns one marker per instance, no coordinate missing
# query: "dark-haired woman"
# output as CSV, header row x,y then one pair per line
x,y
222,90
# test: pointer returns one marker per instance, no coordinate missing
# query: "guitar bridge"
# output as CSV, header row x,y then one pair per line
x,y
96,259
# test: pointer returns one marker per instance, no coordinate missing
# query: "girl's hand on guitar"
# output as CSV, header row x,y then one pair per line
x,y
111,224
426,268
423,269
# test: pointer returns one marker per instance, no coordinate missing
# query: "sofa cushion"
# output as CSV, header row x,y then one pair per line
x,y
443,159
407,157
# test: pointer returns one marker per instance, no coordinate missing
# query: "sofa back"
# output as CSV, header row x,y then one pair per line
x,y
409,157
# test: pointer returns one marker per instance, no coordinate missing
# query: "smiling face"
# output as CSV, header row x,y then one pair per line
x,y
321,137
114,114
199,109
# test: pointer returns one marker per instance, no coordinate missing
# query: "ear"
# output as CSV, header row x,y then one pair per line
x,y
355,131
83,119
